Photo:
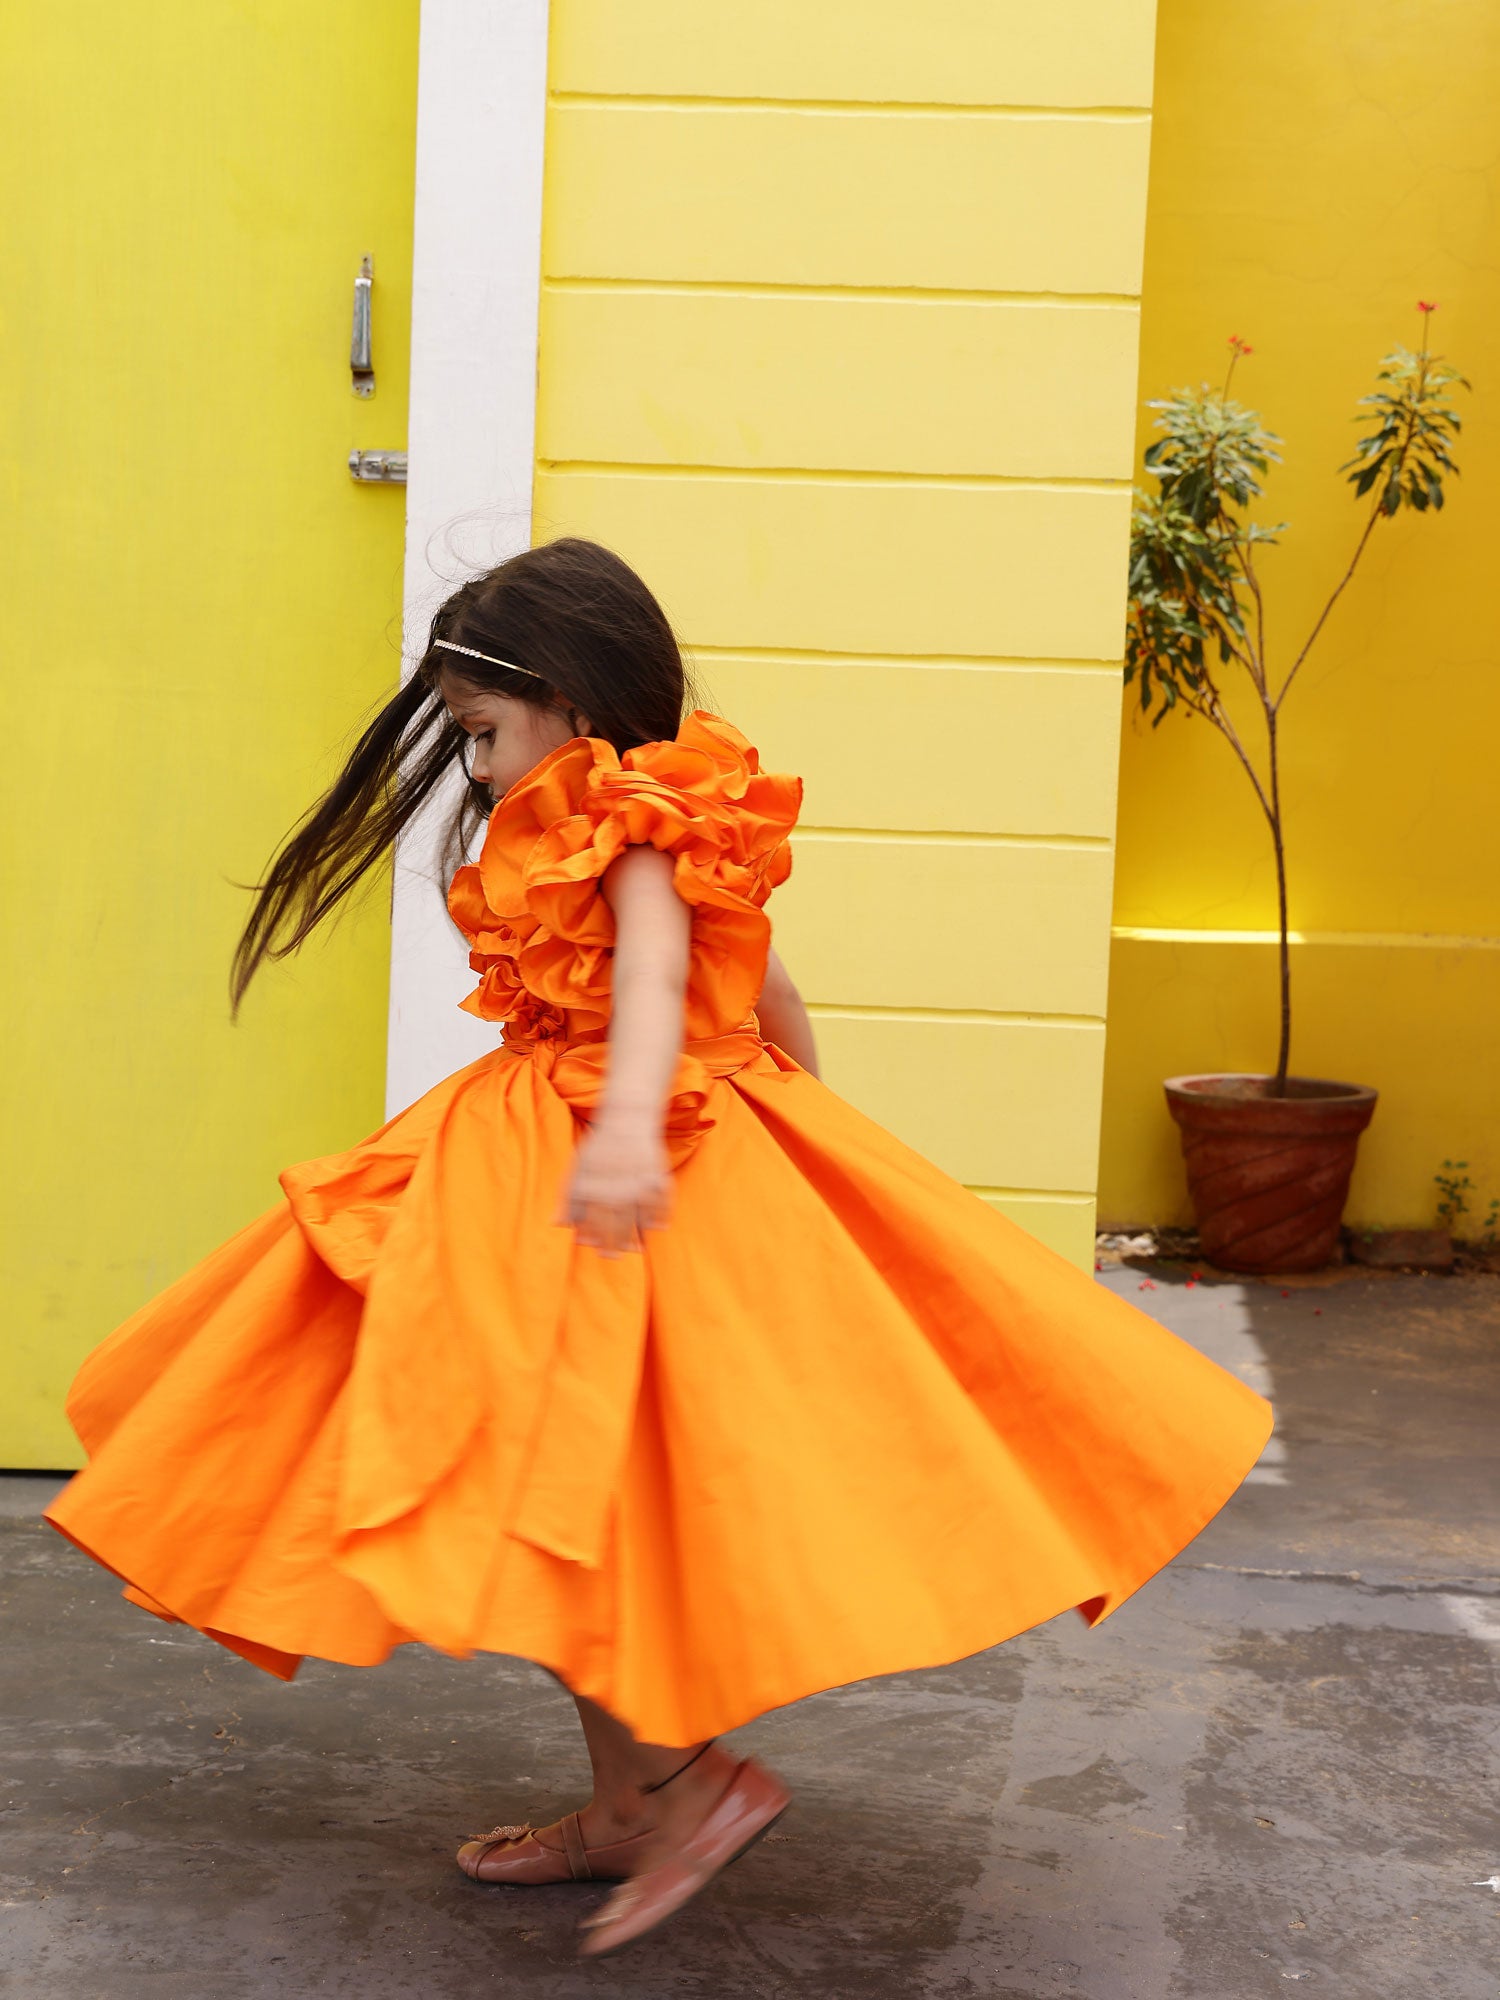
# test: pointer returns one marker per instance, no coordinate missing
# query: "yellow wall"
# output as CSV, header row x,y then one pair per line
x,y
838,346
1315,170
199,602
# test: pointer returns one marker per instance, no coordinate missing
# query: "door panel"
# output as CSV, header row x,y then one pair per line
x,y
201,605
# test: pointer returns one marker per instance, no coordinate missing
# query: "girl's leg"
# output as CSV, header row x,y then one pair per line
x,y
646,1786
652,1795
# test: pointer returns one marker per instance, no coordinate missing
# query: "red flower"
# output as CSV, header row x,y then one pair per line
x,y
1426,305
1240,346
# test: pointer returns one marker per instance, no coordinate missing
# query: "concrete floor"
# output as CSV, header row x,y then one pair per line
x,y
1275,1765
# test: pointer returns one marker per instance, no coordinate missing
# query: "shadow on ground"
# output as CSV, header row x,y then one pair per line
x,y
1263,1774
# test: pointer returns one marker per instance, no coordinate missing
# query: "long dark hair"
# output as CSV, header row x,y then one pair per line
x,y
571,612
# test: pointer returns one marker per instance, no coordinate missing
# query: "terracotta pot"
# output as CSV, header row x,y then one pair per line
x,y
1269,1176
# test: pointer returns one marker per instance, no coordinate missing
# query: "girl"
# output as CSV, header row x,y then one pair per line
x,y
630,1348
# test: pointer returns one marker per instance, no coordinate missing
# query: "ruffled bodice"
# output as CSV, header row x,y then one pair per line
x,y
541,933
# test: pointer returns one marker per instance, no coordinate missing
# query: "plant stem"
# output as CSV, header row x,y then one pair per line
x,y
1284,1048
1260,616
1339,589
1214,711
1260,674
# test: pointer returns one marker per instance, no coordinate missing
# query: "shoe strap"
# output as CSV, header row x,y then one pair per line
x,y
573,1847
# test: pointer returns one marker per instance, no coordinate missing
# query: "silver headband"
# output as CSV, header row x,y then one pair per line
x,y
489,659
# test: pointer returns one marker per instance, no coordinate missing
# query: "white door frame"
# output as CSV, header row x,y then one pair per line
x,y
476,280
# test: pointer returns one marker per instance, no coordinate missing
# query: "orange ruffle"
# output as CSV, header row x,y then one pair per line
x,y
541,933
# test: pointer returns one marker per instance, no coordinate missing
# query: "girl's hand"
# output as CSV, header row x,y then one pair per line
x,y
621,1184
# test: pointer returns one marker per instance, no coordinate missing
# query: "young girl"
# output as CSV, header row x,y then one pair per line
x,y
630,1348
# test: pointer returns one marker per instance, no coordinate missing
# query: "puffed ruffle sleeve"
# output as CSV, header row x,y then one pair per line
x,y
533,910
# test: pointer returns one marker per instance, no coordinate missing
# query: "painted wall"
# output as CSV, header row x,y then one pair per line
x,y
1316,170
838,346
199,604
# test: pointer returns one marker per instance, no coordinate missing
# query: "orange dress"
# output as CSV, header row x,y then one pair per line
x,y
839,1419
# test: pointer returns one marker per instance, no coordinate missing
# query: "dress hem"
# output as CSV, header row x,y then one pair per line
x,y
259,1653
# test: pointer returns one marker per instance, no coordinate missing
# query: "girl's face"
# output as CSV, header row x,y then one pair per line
x,y
509,738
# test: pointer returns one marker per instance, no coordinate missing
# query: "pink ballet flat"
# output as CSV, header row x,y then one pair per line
x,y
520,1855
747,1809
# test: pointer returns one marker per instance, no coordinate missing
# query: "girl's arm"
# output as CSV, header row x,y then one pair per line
x,y
783,1018
621,1182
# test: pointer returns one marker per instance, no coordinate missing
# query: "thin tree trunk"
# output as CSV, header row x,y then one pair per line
x,y
1283,1053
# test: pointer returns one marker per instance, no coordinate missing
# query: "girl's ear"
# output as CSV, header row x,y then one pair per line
x,y
582,725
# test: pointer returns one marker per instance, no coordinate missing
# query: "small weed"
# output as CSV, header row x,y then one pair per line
x,y
1454,1188
1456,1201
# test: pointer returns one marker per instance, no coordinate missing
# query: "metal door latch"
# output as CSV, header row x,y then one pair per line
x,y
389,466
361,359
386,467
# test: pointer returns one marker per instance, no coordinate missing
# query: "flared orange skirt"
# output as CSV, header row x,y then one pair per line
x,y
838,1419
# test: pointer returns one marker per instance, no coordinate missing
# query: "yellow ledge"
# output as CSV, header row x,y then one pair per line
x,y
1421,940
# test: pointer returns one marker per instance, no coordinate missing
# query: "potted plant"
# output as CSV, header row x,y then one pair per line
x,y
1268,1156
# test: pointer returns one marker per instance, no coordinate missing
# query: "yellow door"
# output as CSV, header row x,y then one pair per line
x,y
199,601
